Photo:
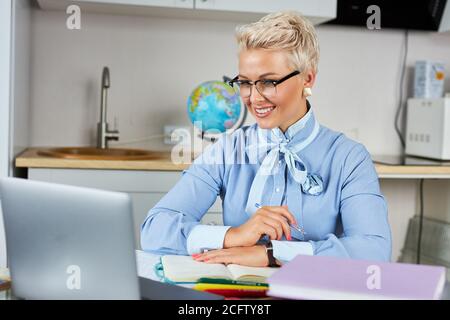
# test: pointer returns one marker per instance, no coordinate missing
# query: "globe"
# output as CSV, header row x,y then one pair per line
x,y
214,105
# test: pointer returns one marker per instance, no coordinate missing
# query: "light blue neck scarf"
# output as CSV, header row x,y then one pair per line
x,y
289,145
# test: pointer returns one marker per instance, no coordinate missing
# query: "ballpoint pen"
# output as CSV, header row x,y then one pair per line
x,y
301,230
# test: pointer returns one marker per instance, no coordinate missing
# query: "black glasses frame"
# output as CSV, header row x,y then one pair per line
x,y
274,82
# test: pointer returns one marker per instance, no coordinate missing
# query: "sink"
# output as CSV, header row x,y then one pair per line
x,y
91,153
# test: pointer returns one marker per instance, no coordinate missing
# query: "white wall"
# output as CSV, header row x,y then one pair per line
x,y
155,63
5,50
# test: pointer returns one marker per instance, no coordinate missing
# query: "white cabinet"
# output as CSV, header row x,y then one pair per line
x,y
318,11
110,4
150,3
155,8
146,188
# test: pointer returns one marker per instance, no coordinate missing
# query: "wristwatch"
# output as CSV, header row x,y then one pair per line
x,y
269,250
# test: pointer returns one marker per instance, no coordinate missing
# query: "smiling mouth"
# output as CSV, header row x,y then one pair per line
x,y
262,112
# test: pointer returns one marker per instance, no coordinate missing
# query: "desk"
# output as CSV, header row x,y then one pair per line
x,y
146,263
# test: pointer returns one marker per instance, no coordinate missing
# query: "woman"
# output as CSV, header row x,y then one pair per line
x,y
300,186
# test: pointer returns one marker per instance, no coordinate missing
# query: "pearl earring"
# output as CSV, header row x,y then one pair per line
x,y
307,92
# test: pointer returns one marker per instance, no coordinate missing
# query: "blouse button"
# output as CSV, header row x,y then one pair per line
x,y
277,189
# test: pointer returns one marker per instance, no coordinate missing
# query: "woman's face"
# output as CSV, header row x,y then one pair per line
x,y
288,104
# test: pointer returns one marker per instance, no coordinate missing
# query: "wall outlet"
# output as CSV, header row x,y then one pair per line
x,y
174,134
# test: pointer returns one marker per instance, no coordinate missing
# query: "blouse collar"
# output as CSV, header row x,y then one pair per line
x,y
299,130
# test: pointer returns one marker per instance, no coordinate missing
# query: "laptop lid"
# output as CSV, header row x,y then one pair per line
x,y
66,242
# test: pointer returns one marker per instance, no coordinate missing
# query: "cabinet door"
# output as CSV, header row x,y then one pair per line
x,y
150,3
306,7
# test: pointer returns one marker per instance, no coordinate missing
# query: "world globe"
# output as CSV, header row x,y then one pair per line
x,y
214,105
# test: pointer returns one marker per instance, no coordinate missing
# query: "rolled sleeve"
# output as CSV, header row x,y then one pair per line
x,y
206,237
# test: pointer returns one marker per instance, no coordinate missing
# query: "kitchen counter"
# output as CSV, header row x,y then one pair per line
x,y
31,159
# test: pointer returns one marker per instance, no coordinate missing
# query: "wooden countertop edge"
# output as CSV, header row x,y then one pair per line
x,y
411,170
30,159
99,164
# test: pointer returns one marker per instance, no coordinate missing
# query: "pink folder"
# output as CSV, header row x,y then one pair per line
x,y
316,277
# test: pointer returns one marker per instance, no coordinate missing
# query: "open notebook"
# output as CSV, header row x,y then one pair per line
x,y
184,269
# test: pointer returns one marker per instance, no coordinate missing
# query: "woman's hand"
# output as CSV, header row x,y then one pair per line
x,y
268,220
254,256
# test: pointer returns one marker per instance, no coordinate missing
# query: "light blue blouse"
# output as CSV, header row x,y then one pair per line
x,y
327,180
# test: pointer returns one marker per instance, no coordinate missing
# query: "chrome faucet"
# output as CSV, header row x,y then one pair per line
x,y
103,134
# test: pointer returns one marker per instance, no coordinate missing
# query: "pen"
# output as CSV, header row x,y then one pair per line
x,y
291,225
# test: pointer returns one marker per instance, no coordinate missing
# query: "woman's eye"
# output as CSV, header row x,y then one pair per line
x,y
267,83
244,84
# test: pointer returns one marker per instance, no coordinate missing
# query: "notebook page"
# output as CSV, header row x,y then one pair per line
x,y
185,269
245,272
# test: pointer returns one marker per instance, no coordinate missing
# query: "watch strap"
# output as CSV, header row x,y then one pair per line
x,y
269,251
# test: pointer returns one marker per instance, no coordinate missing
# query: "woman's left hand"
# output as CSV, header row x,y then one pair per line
x,y
254,256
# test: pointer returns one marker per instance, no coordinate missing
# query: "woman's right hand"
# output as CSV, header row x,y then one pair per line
x,y
269,220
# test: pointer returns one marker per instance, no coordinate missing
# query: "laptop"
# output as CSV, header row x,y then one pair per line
x,y
66,242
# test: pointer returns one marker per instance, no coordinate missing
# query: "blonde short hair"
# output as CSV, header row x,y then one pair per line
x,y
285,30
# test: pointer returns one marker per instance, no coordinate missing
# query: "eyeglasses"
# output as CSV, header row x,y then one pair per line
x,y
266,87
